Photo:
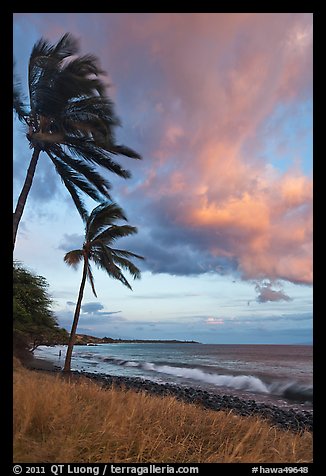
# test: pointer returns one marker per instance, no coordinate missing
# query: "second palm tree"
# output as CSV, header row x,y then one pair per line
x,y
100,232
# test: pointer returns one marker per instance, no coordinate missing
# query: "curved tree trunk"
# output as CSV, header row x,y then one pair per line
x,y
24,193
72,336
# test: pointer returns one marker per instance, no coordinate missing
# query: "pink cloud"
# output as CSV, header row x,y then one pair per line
x,y
196,90
247,209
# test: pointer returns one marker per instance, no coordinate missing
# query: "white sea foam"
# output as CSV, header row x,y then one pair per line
x,y
148,366
239,382
131,364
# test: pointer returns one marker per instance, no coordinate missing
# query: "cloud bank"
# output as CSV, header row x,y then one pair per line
x,y
219,105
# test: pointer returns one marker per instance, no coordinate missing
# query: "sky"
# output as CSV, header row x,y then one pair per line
x,y
219,105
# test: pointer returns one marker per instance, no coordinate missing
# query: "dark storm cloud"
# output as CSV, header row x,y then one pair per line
x,y
94,309
91,307
174,250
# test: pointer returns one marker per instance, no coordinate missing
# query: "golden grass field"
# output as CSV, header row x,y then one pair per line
x,y
61,421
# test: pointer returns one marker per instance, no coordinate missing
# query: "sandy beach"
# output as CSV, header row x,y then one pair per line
x,y
40,364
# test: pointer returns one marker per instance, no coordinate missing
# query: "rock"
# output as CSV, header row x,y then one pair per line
x,y
293,420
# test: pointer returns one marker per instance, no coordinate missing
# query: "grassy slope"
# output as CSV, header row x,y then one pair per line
x,y
59,421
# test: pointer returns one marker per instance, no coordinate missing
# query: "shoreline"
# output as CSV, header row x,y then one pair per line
x,y
37,363
292,420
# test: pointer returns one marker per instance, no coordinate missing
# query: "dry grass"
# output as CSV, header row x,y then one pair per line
x,y
67,422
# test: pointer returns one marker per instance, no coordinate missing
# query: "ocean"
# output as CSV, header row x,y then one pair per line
x,y
278,374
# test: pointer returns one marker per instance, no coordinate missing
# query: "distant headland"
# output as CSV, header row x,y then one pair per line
x,y
84,339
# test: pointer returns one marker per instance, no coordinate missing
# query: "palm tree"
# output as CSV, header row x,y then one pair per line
x,y
100,232
71,119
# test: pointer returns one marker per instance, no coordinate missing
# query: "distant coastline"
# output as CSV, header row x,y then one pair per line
x,y
84,339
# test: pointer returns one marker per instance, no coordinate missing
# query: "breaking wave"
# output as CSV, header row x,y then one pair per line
x,y
289,390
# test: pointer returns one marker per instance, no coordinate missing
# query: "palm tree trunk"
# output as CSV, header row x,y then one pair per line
x,y
24,193
72,336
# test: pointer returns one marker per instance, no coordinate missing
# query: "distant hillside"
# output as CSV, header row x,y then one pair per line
x,y
84,339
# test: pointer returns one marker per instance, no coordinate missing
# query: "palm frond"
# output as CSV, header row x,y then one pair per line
x,y
85,170
111,256
51,92
128,265
123,150
67,173
72,86
66,46
127,254
84,66
78,79
19,105
48,138
92,153
114,232
92,117
91,278
79,204
116,273
103,216
55,82
103,259
72,190
40,49
44,67
73,258
86,126
103,107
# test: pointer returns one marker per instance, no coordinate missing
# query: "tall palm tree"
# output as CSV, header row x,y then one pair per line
x,y
71,119
101,231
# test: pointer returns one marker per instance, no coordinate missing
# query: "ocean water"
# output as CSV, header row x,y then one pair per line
x,y
277,374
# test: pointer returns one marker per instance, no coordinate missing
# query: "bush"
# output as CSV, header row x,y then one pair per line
x,y
33,321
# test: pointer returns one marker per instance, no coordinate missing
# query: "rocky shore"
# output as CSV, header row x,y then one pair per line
x,y
284,418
